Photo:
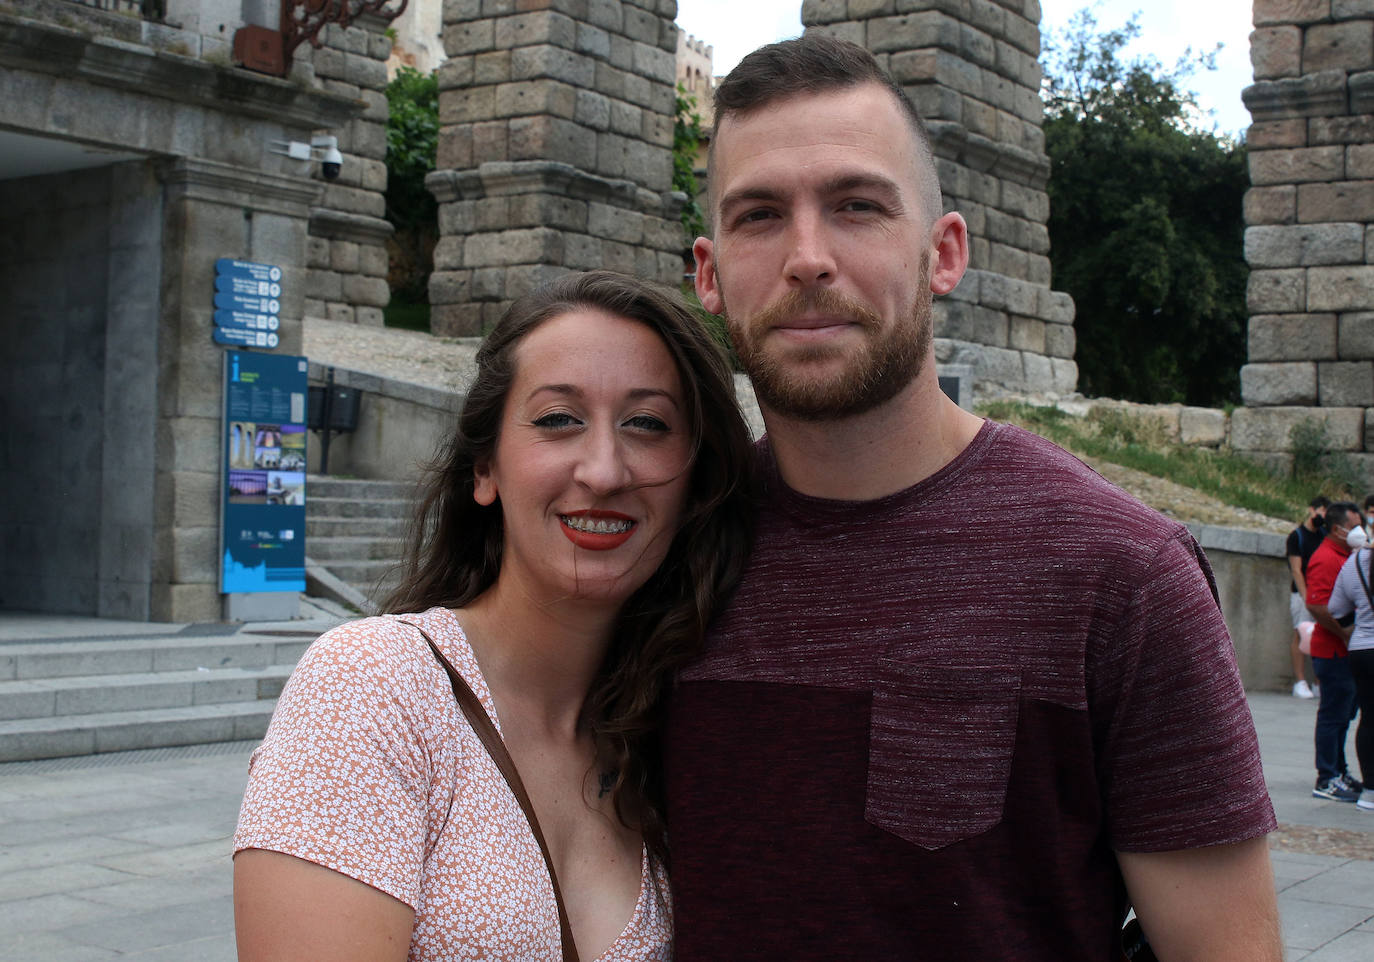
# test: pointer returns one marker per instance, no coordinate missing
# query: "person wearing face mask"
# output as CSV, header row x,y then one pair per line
x,y
1344,533
1352,593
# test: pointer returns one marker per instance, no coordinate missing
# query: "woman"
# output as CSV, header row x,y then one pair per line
x,y
1354,592
584,519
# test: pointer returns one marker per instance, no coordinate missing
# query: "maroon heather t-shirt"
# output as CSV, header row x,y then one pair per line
x,y
925,722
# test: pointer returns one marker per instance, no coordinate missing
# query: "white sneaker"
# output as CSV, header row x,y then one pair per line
x,y
1303,690
1366,800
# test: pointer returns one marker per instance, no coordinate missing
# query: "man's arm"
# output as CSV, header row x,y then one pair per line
x,y
1214,904
1299,579
1322,616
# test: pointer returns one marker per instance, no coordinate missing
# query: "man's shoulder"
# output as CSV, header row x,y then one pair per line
x,y
1059,484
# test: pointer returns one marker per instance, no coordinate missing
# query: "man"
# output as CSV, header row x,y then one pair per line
x,y
1337,705
1302,541
970,701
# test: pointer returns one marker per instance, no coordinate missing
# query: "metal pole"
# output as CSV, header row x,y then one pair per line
x,y
326,417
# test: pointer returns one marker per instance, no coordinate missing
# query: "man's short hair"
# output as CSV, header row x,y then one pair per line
x,y
813,63
1322,501
1339,512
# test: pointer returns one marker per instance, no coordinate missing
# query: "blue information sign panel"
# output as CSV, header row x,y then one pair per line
x,y
264,472
247,303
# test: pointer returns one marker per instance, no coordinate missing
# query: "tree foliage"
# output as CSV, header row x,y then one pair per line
x,y
412,140
687,134
1146,222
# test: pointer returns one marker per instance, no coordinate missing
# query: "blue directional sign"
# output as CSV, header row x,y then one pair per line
x,y
246,321
245,338
247,303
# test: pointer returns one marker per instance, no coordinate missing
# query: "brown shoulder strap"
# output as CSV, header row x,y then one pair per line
x,y
482,724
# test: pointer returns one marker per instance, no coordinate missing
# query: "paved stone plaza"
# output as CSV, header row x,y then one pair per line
x,y
126,856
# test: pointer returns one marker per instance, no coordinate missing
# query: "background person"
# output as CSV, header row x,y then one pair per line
x,y
583,519
1351,593
1302,541
1336,706
970,701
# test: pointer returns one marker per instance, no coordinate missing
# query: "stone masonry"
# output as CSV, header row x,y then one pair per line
x,y
971,67
1309,236
346,256
555,150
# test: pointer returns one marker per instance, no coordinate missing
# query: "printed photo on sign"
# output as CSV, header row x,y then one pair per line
x,y
292,447
285,487
242,444
248,487
268,454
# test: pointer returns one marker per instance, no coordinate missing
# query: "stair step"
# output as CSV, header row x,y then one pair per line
x,y
325,486
86,695
29,738
321,507
359,572
61,659
354,549
355,527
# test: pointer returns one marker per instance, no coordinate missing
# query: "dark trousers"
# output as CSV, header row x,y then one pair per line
x,y
1362,669
1334,712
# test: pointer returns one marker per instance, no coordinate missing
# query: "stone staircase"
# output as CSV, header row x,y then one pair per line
x,y
81,696
355,529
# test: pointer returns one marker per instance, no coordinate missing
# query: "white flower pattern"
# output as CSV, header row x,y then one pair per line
x,y
370,769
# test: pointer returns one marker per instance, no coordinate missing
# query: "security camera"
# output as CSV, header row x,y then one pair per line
x,y
331,161
323,148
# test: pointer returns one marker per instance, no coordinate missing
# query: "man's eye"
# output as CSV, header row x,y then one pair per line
x,y
647,422
755,215
860,205
555,420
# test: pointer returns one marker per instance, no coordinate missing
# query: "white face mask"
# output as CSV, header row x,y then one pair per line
x,y
1356,538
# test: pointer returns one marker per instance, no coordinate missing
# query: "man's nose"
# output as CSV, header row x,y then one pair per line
x,y
810,257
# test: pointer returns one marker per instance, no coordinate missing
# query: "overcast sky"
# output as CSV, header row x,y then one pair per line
x,y
734,27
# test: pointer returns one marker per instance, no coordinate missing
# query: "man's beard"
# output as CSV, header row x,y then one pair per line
x,y
874,374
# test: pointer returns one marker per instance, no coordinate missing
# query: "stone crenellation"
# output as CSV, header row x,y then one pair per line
x,y
1309,236
972,70
555,150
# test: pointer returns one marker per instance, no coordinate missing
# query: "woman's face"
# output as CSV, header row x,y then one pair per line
x,y
591,463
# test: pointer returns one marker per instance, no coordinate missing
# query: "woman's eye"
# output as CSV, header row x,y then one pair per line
x,y
647,422
555,420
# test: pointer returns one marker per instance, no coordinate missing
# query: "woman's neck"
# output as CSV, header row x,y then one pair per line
x,y
538,659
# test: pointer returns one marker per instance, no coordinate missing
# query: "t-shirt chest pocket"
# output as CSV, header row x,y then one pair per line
x,y
941,740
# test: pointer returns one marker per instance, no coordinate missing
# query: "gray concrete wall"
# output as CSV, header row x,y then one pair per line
x,y
79,248
1252,580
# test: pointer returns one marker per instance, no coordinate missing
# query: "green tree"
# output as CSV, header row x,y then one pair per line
x,y
412,140
687,134
1146,224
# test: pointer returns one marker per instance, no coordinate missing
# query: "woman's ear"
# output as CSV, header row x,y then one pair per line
x,y
483,484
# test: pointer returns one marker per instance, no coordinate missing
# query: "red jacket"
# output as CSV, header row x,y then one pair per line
x,y
1322,569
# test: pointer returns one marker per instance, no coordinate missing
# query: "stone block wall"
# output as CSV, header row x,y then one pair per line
x,y
1309,235
971,67
555,150
346,256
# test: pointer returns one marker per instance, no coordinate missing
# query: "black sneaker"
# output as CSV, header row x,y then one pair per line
x,y
1334,789
1352,783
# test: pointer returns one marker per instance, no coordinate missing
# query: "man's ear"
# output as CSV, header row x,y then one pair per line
x,y
707,284
483,484
949,258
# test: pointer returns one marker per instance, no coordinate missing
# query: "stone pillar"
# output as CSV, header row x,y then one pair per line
x,y
210,210
972,70
346,256
1309,222
555,150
